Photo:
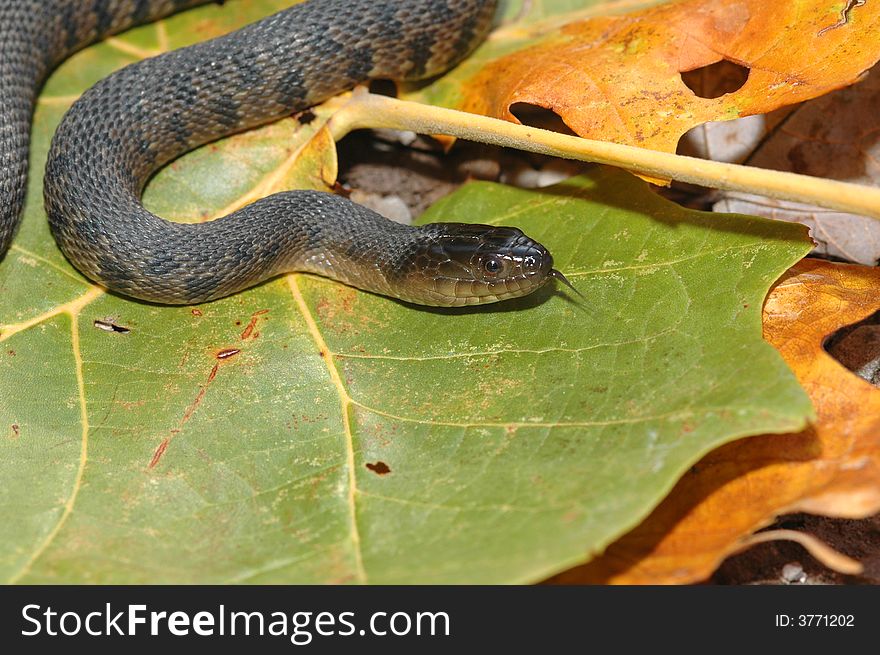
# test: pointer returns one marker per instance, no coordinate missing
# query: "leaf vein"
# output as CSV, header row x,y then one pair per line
x,y
345,402
73,314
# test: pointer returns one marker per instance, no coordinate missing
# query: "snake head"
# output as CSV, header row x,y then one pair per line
x,y
468,264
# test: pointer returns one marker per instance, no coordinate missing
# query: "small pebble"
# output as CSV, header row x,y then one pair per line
x,y
392,207
403,137
481,169
557,170
793,573
523,176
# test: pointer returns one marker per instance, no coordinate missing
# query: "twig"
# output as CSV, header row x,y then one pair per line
x,y
818,549
366,110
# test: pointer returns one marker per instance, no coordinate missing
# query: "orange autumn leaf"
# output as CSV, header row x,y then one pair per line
x,y
618,78
832,468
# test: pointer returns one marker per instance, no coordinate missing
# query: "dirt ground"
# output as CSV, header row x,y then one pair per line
x,y
785,562
400,175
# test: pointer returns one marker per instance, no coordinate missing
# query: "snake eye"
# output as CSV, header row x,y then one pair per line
x,y
492,265
530,264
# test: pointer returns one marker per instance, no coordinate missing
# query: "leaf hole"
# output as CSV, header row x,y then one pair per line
x,y
379,468
857,347
716,80
306,117
540,117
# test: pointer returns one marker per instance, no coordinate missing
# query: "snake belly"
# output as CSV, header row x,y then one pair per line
x,y
126,127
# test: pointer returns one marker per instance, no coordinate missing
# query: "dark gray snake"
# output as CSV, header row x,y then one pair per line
x,y
135,121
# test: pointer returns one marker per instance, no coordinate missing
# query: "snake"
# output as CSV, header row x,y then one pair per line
x,y
125,128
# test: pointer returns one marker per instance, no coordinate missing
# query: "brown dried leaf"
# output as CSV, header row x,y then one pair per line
x,y
618,78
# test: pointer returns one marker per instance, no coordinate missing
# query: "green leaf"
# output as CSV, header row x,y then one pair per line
x,y
307,432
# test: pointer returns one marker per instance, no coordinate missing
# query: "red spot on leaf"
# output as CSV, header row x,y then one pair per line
x,y
248,332
159,452
187,415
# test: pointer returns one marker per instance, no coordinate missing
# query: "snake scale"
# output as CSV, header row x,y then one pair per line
x,y
129,125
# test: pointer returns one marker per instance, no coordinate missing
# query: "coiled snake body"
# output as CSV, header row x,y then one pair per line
x,y
138,119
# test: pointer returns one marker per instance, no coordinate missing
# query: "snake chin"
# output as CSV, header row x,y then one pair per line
x,y
461,264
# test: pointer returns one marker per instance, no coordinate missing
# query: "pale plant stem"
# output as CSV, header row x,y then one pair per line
x,y
367,110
